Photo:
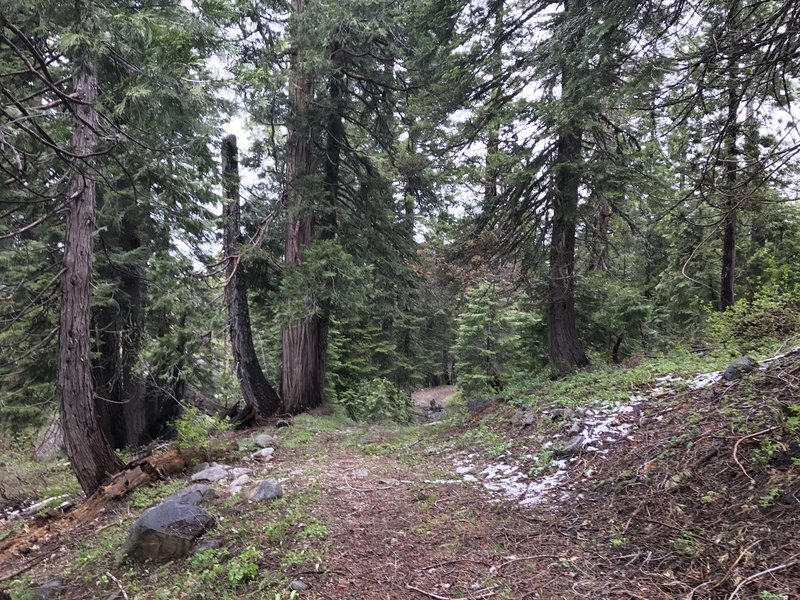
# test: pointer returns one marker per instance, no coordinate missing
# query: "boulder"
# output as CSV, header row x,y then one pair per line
x,y
213,473
194,494
268,489
739,369
167,531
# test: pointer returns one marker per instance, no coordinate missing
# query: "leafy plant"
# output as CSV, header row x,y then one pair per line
x,y
195,428
377,400
244,567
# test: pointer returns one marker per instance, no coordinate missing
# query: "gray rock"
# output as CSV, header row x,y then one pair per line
x,y
239,471
573,446
215,473
240,481
167,531
202,467
268,489
561,413
263,454
297,586
523,418
194,494
739,369
49,589
264,440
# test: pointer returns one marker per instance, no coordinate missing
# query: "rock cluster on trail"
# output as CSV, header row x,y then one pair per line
x,y
167,531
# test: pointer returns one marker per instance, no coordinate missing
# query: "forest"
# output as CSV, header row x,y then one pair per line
x,y
238,211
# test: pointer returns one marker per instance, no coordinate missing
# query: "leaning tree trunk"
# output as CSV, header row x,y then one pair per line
x,y
304,340
256,390
564,346
91,456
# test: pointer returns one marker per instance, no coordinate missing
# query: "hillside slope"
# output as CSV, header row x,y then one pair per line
x,y
680,488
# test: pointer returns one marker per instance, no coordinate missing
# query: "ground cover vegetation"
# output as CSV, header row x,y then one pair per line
x,y
218,215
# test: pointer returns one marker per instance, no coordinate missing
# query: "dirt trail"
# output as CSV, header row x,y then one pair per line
x,y
423,398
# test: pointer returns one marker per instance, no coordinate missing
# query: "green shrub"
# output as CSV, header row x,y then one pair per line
x,y
377,400
769,315
196,428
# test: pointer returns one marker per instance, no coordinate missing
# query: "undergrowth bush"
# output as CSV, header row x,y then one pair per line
x,y
746,325
195,428
377,400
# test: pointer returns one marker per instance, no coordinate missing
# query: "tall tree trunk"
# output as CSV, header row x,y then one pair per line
x,y
119,390
564,346
731,133
304,340
89,452
256,390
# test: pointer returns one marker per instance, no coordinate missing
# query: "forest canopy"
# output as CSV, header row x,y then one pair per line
x,y
415,193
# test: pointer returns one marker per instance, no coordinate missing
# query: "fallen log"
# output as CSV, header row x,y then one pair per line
x,y
43,532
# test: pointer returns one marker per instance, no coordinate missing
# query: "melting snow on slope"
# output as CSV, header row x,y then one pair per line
x,y
598,428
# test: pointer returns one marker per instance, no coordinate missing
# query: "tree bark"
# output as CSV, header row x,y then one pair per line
x,y
564,346
728,271
256,390
304,340
89,452
119,390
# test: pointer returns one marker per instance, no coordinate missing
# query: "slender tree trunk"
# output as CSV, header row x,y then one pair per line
x,y
564,346
89,452
256,390
728,271
304,340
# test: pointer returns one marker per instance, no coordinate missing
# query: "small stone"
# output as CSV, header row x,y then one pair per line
x,y
576,428
202,467
264,440
194,494
561,413
573,446
361,473
239,471
241,481
263,454
49,589
739,369
297,586
215,473
268,489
